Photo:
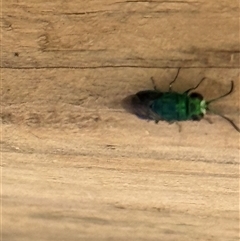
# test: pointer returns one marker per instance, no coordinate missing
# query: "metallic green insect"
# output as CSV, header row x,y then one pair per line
x,y
172,106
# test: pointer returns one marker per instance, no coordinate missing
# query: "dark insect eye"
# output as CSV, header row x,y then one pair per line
x,y
197,117
196,95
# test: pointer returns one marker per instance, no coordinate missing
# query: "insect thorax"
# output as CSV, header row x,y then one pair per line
x,y
172,106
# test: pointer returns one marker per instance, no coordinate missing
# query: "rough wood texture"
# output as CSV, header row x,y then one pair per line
x,y
75,165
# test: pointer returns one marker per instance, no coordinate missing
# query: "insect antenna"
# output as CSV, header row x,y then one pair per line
x,y
226,118
220,97
170,85
195,86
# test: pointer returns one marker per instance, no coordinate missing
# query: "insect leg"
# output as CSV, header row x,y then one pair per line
x,y
179,127
170,85
154,84
195,86
177,123
208,120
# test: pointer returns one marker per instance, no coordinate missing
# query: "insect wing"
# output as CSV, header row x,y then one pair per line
x,y
139,104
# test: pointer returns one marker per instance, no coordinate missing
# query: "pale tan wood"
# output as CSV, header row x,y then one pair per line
x,y
75,165
109,33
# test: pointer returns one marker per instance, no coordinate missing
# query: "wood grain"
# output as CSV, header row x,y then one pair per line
x,y
74,164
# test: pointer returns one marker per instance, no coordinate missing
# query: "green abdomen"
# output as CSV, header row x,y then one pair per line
x,y
171,106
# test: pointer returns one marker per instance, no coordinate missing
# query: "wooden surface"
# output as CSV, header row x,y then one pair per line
x,y
75,165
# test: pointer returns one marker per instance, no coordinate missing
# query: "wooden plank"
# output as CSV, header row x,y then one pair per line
x,y
53,95
78,167
74,164
117,34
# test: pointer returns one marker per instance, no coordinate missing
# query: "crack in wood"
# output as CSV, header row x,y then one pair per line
x,y
124,66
